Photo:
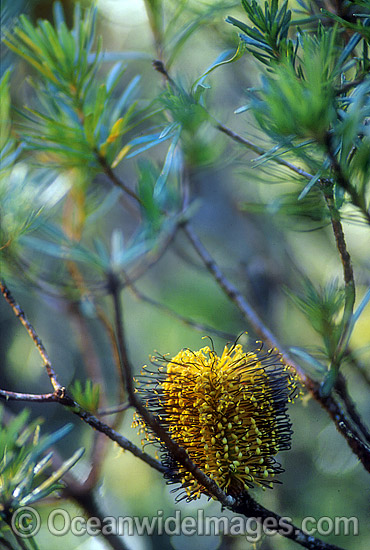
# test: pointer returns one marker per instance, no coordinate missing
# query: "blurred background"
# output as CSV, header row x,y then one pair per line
x,y
260,250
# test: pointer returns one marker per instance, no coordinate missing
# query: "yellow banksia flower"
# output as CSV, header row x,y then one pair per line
x,y
228,412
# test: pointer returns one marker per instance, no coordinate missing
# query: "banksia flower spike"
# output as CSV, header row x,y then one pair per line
x,y
228,412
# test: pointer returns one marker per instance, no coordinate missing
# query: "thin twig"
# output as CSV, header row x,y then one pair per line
x,y
114,287
180,454
260,151
340,239
83,494
92,365
349,281
336,413
328,402
350,295
60,395
365,448
342,390
235,296
91,504
186,320
62,398
113,410
36,340
115,179
86,345
177,452
247,506
8,395
160,67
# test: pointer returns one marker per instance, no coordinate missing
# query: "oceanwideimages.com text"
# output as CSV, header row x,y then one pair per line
x,y
26,522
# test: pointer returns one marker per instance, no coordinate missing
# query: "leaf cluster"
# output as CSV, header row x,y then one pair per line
x,y
303,214
356,17
299,101
87,396
26,464
268,40
322,307
80,125
315,102
77,121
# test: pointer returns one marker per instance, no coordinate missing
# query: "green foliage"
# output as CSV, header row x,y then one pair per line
x,y
86,395
314,102
26,195
308,213
59,55
185,109
352,136
190,118
8,147
361,24
98,180
26,464
322,307
79,125
80,122
268,40
299,102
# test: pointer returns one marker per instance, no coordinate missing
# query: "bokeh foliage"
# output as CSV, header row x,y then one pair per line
x,y
104,158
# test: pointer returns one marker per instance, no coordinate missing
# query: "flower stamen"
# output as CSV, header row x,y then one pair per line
x,y
229,413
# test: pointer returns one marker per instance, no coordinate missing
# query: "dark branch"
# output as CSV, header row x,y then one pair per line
x,y
327,402
339,418
349,281
30,397
359,443
39,345
177,452
159,66
342,390
62,398
247,506
237,298
252,510
91,504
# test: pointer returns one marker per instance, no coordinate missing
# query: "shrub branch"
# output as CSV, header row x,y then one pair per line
x,y
327,402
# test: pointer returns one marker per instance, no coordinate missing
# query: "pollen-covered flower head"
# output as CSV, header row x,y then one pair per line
x,y
229,412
